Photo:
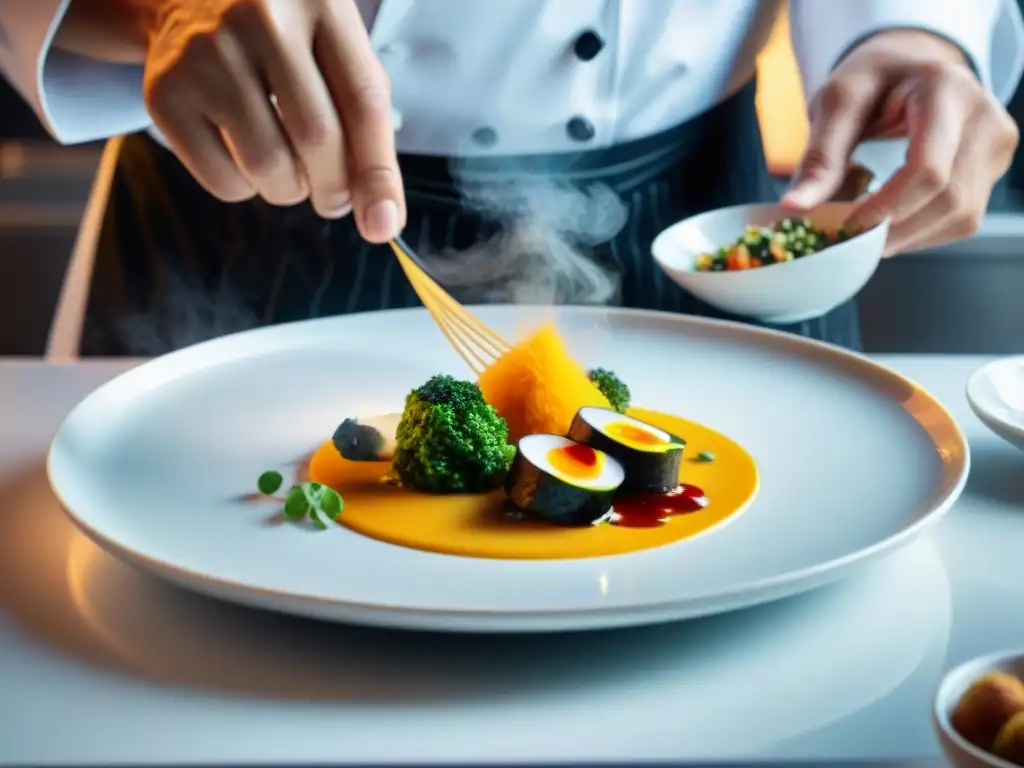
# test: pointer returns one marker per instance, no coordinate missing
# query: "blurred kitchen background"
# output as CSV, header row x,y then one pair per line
x,y
967,298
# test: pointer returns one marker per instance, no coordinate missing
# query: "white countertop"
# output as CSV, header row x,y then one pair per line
x,y
99,663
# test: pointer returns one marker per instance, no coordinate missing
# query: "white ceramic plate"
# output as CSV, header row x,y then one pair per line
x,y
996,394
854,460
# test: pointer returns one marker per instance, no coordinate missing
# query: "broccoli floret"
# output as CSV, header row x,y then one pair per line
x,y
449,440
612,387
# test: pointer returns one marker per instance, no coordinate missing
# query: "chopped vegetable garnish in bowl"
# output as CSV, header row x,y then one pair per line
x,y
760,261
784,240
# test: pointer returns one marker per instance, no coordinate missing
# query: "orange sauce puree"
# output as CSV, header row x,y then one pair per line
x,y
477,526
576,460
631,433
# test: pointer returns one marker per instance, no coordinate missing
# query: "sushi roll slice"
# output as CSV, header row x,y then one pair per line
x,y
650,456
562,481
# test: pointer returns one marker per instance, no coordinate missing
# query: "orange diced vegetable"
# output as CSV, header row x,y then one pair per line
x,y
739,258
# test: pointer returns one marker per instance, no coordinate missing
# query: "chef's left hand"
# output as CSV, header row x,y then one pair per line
x,y
961,140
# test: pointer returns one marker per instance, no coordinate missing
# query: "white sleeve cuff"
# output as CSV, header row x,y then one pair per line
x,y
990,32
76,98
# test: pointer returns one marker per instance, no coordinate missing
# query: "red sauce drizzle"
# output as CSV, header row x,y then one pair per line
x,y
583,454
650,510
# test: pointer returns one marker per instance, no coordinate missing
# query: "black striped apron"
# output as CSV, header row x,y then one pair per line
x,y
175,266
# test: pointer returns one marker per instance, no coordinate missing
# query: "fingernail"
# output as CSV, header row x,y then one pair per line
x,y
800,197
338,213
342,206
382,219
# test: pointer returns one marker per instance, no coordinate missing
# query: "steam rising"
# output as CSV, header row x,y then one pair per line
x,y
538,255
187,314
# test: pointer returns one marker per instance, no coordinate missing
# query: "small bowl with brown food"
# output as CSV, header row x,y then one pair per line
x,y
979,712
761,262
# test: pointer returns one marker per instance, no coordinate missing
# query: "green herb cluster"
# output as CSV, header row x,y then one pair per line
x,y
612,387
310,501
450,440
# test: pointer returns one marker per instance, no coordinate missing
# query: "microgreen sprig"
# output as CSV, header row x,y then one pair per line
x,y
309,501
270,482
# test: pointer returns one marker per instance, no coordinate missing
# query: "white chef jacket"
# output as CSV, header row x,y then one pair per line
x,y
511,76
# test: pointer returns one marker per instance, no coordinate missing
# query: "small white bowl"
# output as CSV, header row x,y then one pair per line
x,y
789,292
996,394
959,751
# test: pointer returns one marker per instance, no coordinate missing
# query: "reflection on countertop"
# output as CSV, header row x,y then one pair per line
x,y
667,688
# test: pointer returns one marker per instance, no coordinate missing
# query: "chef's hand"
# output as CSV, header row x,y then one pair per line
x,y
961,141
212,69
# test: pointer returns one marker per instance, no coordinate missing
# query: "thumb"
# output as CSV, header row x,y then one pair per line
x,y
840,112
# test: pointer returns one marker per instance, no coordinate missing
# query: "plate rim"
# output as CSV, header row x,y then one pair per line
x,y
777,583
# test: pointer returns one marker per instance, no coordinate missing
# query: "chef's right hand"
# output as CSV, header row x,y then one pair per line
x,y
212,69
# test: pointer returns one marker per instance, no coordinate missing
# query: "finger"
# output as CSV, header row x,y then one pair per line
x,y
840,113
237,101
953,214
935,228
198,146
359,88
935,119
311,122
280,43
